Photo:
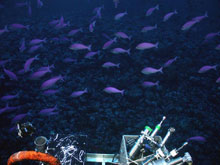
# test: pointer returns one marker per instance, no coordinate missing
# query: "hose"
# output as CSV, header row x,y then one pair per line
x,y
33,155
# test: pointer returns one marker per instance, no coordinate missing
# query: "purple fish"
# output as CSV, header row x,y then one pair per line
x,y
10,74
50,92
46,67
38,41
22,46
120,51
147,45
69,60
21,71
3,62
21,4
189,24
218,80
113,90
109,43
197,138
151,10
47,110
211,35
169,62
34,48
4,30
149,70
148,28
54,22
120,15
28,63
92,26
29,9
200,18
79,93
207,68
150,84
122,35
19,117
39,3
116,2
110,65
89,55
49,83
73,32
2,110
38,74
106,36
78,46
168,15
9,97
217,47
17,26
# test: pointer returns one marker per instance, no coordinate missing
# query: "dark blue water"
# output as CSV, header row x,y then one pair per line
x,y
190,100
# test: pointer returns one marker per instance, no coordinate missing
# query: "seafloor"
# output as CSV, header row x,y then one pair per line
x,y
189,100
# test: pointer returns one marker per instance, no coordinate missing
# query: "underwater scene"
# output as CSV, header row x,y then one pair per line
x,y
92,71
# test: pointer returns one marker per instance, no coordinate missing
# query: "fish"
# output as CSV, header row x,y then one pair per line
x,y
73,32
21,4
79,93
69,60
50,92
54,22
9,97
197,138
17,26
148,28
11,75
51,82
111,90
211,35
47,110
39,3
150,70
170,61
189,24
116,2
78,46
120,51
4,30
92,26
37,41
110,65
3,62
200,18
150,84
218,80
29,9
217,47
169,15
122,35
151,10
207,68
38,74
2,110
22,47
89,55
147,45
28,63
46,67
34,48
18,117
120,15
109,43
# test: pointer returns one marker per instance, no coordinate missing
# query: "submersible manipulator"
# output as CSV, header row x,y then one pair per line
x,y
148,148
